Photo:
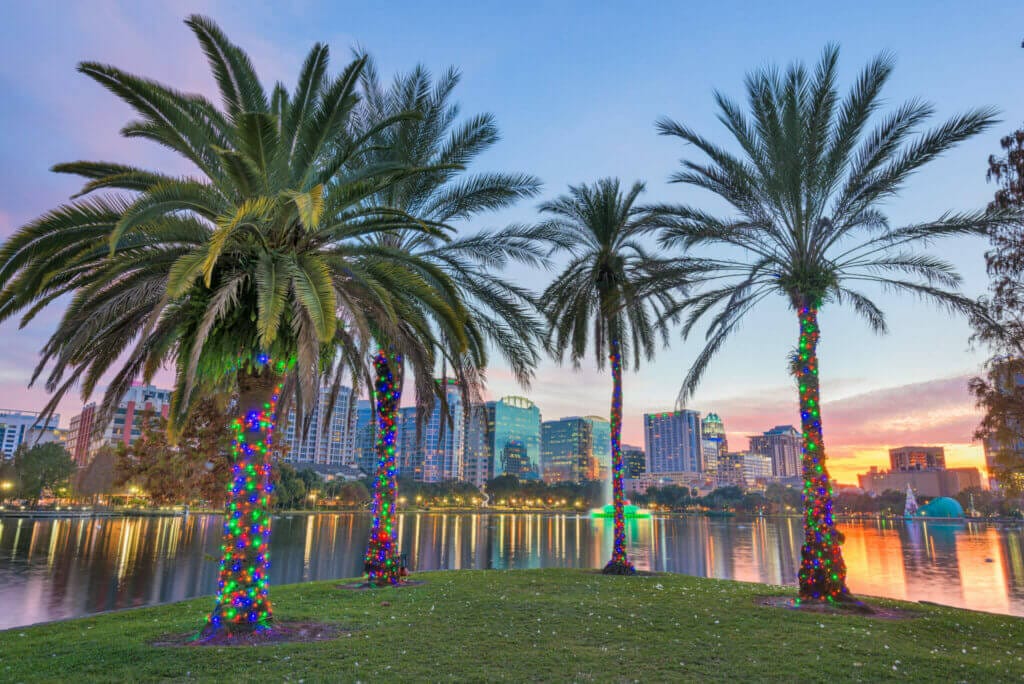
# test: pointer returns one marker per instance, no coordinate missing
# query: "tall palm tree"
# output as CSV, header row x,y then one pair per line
x,y
443,196
613,298
807,189
249,277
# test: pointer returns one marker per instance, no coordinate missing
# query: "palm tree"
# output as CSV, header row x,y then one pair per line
x,y
612,298
807,189
250,277
501,313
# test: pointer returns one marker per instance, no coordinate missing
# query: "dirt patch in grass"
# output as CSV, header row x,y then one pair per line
x,y
852,607
281,632
638,573
363,586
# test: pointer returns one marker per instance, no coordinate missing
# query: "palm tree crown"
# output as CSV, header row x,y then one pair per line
x,y
261,252
613,289
447,194
807,190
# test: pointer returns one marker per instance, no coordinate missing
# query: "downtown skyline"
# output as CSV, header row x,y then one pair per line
x,y
908,387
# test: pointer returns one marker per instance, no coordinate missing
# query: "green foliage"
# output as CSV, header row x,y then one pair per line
x,y
590,494
264,249
613,290
292,488
676,628
1000,394
415,123
99,475
807,188
193,468
41,468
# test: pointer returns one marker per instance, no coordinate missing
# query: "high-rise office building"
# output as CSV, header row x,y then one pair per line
x,y
365,439
515,438
782,445
330,437
757,469
80,435
125,426
503,438
477,457
19,427
731,469
575,449
438,455
634,461
713,442
672,441
908,458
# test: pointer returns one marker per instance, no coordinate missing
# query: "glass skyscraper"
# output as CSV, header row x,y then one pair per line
x,y
515,438
713,442
330,439
575,449
672,441
437,456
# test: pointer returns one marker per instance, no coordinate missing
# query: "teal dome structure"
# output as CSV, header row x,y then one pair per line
x,y
941,507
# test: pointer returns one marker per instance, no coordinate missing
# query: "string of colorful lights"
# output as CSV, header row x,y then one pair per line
x,y
619,564
381,562
822,569
243,592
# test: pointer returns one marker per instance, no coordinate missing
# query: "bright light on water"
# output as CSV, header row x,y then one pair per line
x,y
53,569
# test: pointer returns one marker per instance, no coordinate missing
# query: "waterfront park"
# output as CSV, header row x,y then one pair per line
x,y
335,229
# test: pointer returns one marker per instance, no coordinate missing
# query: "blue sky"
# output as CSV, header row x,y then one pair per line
x,y
576,88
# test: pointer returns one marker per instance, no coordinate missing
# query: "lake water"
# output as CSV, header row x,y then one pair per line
x,y
60,568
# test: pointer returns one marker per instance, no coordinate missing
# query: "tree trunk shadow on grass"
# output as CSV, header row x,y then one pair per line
x,y
279,632
848,606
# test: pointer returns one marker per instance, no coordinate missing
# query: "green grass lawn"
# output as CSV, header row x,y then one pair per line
x,y
548,625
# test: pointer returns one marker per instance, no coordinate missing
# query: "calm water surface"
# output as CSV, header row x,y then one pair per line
x,y
52,569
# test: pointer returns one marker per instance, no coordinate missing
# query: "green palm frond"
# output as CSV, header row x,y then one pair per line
x,y
807,190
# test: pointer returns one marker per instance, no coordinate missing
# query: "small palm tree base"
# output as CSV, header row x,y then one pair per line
x,y
227,630
619,567
387,575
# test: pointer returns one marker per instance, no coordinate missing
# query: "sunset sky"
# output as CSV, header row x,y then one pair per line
x,y
576,88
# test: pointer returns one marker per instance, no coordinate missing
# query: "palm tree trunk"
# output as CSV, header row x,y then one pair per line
x,y
619,564
822,570
381,562
243,589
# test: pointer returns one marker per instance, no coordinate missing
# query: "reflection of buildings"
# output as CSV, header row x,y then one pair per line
x,y
924,482
575,449
80,566
672,441
781,444
329,438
